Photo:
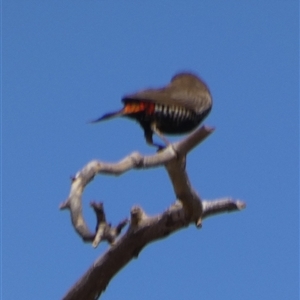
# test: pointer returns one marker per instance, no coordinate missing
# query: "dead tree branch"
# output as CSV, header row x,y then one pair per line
x,y
143,229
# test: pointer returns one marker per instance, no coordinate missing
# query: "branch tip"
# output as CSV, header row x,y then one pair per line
x,y
240,205
137,215
64,205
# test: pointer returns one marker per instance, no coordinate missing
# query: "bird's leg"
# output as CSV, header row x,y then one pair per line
x,y
159,134
149,139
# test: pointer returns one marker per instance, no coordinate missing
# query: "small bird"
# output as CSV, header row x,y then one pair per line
x,y
177,108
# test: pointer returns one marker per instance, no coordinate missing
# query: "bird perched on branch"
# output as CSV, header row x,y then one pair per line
x,y
176,108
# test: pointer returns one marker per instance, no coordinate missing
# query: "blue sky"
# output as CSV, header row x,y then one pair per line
x,y
67,62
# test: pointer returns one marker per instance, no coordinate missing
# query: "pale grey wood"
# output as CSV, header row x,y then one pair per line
x,y
188,208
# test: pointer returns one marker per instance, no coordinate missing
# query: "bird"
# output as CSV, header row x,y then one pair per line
x,y
177,108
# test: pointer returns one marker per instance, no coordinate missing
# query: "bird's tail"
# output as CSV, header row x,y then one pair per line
x,y
108,116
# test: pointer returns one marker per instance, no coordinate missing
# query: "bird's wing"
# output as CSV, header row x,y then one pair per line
x,y
195,98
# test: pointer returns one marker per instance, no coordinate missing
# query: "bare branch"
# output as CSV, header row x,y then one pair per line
x,y
143,230
218,206
188,208
104,230
132,161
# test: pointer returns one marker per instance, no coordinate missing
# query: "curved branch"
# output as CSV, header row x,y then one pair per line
x,y
143,229
132,161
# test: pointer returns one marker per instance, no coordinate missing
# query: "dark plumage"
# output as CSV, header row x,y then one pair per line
x,y
175,109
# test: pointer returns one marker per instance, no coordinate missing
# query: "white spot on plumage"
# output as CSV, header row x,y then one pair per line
x,y
158,108
165,110
183,113
176,110
179,112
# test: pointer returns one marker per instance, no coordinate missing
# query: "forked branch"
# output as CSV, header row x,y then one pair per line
x,y
143,229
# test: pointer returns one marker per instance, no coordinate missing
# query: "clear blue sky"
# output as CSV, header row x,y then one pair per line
x,y
67,62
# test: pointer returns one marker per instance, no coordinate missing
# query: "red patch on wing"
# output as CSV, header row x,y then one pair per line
x,y
135,107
